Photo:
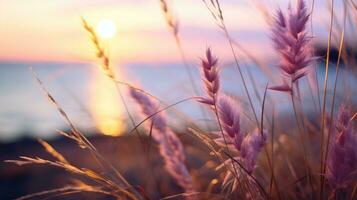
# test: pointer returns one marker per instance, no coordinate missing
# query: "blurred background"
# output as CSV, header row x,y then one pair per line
x,y
49,37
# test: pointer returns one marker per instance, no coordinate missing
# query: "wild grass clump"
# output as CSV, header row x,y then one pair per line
x,y
257,152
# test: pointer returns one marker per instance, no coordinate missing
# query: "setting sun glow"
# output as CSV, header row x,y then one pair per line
x,y
106,29
105,107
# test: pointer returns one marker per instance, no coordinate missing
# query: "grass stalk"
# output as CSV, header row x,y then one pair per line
x,y
302,139
335,88
322,176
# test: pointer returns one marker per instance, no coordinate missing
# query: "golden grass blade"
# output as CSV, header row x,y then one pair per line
x,y
52,151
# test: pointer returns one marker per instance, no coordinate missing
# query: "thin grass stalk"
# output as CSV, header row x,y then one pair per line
x,y
335,87
312,98
189,74
354,192
101,54
76,133
161,110
113,78
224,138
175,196
302,139
251,190
75,170
212,83
218,16
276,185
261,188
322,177
257,63
272,153
65,190
208,142
171,149
80,138
241,74
187,67
131,118
156,98
316,71
235,172
148,160
318,89
253,59
254,84
173,25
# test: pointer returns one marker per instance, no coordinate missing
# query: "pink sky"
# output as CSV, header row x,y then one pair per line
x,y
51,30
37,30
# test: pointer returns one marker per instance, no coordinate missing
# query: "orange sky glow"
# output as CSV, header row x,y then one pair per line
x,y
35,30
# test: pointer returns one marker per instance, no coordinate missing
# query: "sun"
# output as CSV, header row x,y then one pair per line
x,y
106,29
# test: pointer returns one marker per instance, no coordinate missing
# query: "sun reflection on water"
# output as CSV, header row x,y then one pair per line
x,y
105,106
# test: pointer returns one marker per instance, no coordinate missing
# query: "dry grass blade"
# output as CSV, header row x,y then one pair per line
x,y
80,138
171,21
110,73
353,117
138,89
261,188
83,142
342,40
216,11
322,178
173,25
211,145
161,110
100,50
270,162
52,151
193,195
70,189
87,173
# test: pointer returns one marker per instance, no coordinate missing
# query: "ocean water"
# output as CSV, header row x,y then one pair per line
x,y
25,110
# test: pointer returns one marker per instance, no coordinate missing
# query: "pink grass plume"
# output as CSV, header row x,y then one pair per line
x,y
293,44
341,163
170,146
211,78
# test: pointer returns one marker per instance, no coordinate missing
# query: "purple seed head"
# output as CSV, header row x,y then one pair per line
x,y
229,115
251,147
211,78
148,107
292,42
342,156
170,146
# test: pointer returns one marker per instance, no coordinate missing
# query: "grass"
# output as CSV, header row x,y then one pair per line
x,y
251,158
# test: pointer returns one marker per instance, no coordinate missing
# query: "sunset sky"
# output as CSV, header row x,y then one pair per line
x,y
48,35
37,30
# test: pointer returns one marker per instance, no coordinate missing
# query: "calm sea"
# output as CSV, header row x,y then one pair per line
x,y
83,92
